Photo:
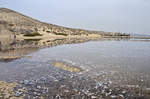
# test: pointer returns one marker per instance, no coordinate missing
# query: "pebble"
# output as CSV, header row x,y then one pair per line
x,y
26,82
113,96
43,78
121,96
37,94
66,91
58,96
39,87
17,93
94,97
123,92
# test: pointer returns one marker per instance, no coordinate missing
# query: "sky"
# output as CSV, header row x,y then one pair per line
x,y
129,16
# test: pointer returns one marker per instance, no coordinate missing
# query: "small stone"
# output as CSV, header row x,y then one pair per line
x,y
26,82
37,94
105,87
39,87
17,93
21,82
93,97
121,96
43,78
66,91
113,96
109,93
58,96
110,82
89,94
123,92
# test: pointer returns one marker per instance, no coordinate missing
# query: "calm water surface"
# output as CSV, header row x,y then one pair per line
x,y
94,57
134,55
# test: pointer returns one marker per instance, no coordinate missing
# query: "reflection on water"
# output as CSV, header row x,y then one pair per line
x,y
101,54
126,61
11,48
6,42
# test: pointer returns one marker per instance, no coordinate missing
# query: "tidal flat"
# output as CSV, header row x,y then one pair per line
x,y
101,69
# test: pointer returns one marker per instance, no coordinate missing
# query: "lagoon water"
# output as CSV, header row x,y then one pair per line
x,y
131,54
130,57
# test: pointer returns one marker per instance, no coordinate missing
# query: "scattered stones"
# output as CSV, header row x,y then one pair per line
x,y
7,91
62,84
74,87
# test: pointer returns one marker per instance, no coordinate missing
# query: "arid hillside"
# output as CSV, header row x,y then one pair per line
x,y
12,21
30,31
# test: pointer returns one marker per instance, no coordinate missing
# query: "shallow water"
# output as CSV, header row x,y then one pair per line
x,y
134,55
129,57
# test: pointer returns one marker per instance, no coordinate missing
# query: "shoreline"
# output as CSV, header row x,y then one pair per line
x,y
27,45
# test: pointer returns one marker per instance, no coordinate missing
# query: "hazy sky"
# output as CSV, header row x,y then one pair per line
x,y
106,15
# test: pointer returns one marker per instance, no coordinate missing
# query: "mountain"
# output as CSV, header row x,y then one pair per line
x,y
30,31
12,21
